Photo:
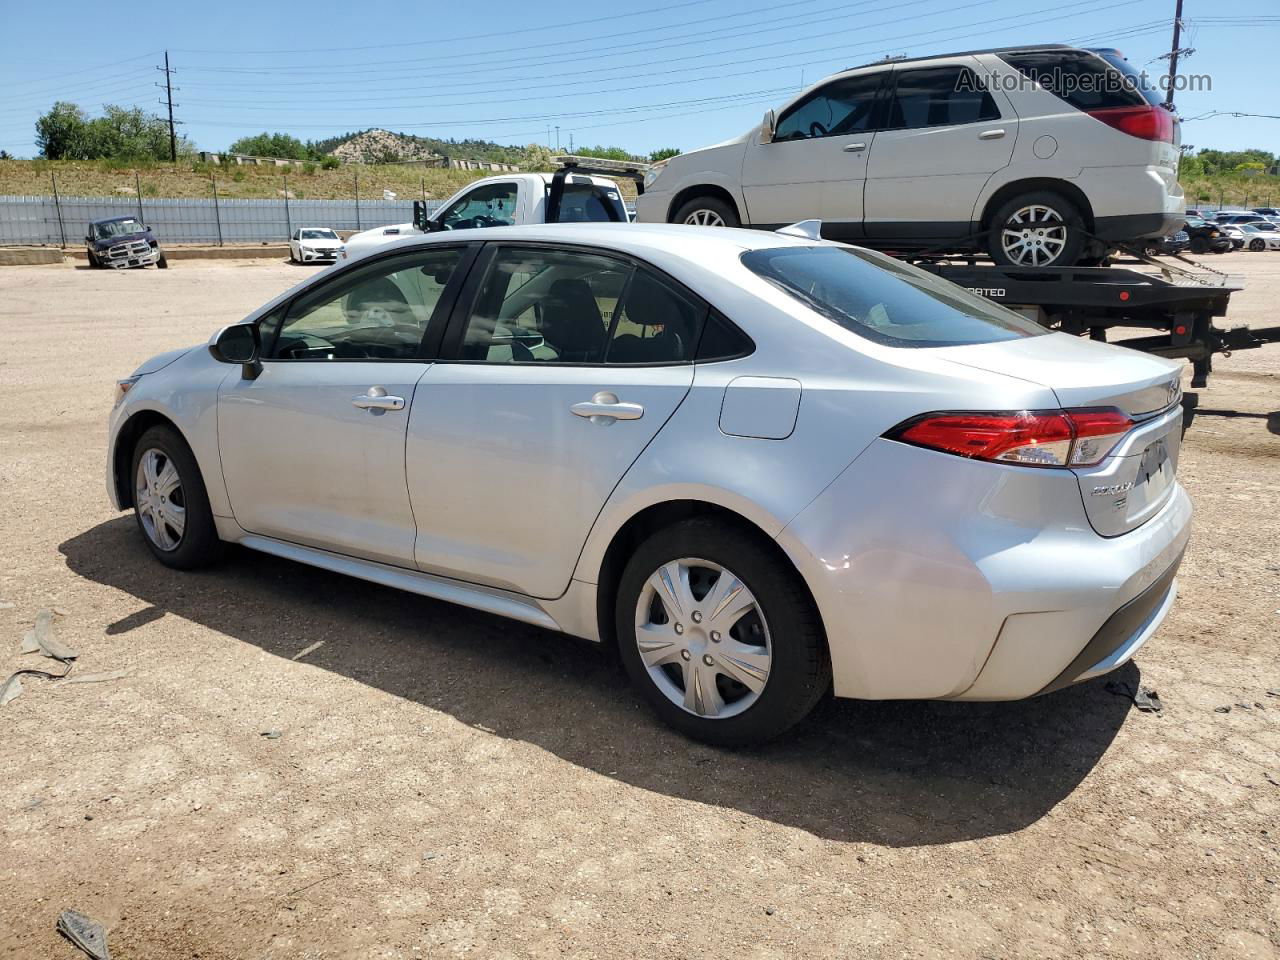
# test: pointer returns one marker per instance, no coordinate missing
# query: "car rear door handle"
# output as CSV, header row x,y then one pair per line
x,y
991,134
605,407
376,399
854,147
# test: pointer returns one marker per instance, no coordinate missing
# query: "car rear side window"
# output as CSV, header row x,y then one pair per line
x,y
886,300
590,203
542,305
1085,80
939,97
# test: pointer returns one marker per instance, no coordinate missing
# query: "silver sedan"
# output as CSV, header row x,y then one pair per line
x,y
765,467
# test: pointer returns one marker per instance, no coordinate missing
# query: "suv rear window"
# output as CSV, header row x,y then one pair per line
x,y
1087,81
886,300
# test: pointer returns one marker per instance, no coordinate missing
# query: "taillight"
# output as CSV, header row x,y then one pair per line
x,y
1146,123
1069,438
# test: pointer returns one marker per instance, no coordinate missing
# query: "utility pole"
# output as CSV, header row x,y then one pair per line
x,y
571,143
168,99
1173,54
557,138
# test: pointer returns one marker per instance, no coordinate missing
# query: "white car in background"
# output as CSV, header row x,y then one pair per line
x,y
760,463
1260,236
314,245
1020,151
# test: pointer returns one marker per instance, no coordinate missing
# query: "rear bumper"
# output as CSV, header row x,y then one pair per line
x,y
939,577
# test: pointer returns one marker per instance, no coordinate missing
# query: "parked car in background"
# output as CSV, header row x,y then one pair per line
x,y
1271,213
1260,236
123,242
1235,218
1235,234
1205,237
314,244
1019,151
1174,243
965,505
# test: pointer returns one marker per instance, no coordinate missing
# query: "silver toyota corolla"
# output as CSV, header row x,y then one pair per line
x,y
764,466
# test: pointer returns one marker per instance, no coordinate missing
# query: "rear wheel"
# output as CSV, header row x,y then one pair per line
x,y
719,634
170,502
707,212
1037,229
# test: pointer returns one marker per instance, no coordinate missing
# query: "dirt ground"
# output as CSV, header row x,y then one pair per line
x,y
448,784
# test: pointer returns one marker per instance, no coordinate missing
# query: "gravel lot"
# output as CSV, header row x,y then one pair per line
x,y
447,784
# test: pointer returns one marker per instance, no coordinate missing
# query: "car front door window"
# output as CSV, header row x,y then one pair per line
x,y
492,205
377,313
845,106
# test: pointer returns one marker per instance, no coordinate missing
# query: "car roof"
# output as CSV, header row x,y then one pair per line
x,y
1022,48
640,239
127,216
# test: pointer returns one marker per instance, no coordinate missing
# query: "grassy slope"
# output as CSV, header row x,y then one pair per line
x,y
186,179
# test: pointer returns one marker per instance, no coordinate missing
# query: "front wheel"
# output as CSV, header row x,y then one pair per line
x,y
719,634
1199,245
170,502
707,212
1038,229
1257,245
162,263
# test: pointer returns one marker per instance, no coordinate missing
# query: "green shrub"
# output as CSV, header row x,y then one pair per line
x,y
330,163
309,169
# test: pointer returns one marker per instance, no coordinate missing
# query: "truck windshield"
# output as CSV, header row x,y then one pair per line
x,y
886,300
117,228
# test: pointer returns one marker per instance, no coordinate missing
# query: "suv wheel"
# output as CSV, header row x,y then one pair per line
x,y
707,212
719,636
170,502
1039,229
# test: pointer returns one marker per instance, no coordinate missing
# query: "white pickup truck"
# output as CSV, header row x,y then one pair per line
x,y
573,194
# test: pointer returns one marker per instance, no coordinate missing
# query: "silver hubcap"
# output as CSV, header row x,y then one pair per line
x,y
703,637
1034,236
162,505
704,218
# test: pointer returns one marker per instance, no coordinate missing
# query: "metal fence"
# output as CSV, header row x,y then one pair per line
x,y
63,220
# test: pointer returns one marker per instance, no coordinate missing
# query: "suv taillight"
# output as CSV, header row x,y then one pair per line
x,y
1146,123
1063,438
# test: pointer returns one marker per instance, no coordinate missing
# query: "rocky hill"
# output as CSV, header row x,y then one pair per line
x,y
383,146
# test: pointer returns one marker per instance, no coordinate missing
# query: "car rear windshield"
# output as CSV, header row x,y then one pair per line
x,y
1086,80
587,202
886,300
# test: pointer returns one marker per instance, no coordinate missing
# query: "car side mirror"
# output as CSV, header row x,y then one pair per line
x,y
767,127
239,343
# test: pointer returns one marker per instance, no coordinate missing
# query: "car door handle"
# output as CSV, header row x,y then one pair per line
x,y
605,407
376,399
991,134
854,147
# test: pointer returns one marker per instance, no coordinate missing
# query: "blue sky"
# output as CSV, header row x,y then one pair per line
x,y
682,73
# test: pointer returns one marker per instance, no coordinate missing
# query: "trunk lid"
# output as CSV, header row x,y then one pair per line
x,y
1137,478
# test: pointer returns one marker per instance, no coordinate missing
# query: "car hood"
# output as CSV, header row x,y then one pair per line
x,y
697,159
1081,373
162,360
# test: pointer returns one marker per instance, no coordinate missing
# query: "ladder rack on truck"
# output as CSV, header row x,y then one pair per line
x,y
1181,303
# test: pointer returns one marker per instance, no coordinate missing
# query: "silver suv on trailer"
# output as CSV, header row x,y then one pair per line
x,y
1041,155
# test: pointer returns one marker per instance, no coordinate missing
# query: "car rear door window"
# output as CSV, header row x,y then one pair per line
x,y
544,305
939,97
380,312
848,105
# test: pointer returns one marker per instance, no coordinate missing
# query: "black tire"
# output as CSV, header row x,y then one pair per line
x,y
1257,246
162,263
94,262
1200,245
1061,208
800,668
198,544
711,207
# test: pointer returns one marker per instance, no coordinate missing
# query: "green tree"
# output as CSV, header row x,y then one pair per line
x,y
66,133
272,145
666,153
604,153
63,133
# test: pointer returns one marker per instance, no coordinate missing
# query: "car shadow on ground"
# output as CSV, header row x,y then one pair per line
x,y
894,773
